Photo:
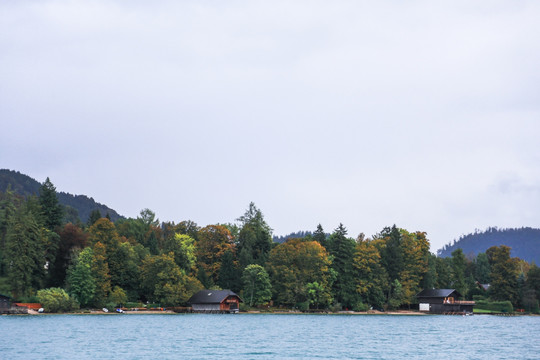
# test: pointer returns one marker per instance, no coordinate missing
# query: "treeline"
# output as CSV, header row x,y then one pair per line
x,y
106,263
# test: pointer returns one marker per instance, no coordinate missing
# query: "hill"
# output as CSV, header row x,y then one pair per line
x,y
25,186
525,243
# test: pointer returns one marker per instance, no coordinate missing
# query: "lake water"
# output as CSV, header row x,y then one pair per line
x,y
253,336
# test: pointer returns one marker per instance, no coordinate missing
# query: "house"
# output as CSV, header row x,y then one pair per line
x,y
215,301
443,301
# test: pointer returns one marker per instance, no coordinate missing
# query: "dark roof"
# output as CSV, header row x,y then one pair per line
x,y
211,296
437,293
5,296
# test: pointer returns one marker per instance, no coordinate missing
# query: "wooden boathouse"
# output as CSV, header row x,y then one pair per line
x,y
215,301
443,301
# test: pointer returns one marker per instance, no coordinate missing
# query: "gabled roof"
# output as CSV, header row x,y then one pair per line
x,y
211,296
5,296
437,293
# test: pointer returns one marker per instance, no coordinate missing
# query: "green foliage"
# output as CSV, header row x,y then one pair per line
x,y
24,251
459,264
118,296
295,264
257,287
229,275
504,273
183,248
495,306
52,211
163,281
396,295
80,279
371,277
56,300
255,237
342,249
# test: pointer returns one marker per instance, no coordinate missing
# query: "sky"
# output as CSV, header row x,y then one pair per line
x,y
422,114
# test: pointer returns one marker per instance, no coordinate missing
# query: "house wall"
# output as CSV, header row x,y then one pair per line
x,y
206,307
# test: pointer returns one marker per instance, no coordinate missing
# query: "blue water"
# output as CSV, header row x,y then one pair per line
x,y
243,336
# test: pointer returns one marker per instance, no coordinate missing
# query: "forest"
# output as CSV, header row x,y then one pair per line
x,y
105,263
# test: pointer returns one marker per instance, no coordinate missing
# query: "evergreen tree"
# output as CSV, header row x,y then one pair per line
x,y
482,268
95,215
320,236
24,253
459,263
228,273
255,236
342,249
52,210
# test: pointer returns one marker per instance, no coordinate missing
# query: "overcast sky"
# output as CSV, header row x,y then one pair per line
x,y
422,114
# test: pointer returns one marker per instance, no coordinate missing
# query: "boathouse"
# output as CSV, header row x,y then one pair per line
x,y
215,301
443,301
5,302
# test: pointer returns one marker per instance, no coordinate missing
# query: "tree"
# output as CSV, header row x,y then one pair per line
x,y
71,239
482,268
80,279
504,273
214,241
229,275
95,215
370,276
184,250
320,236
255,237
294,264
163,281
257,287
459,263
102,277
25,248
118,296
414,255
396,295
56,300
342,249
52,210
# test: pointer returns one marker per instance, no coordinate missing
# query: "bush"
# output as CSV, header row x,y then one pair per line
x,y
496,306
302,306
360,306
56,300
130,305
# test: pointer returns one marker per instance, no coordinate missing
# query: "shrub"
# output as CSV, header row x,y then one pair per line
x,y
56,300
360,306
496,306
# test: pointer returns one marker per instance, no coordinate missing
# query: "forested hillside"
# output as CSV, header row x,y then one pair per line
x,y
524,242
83,205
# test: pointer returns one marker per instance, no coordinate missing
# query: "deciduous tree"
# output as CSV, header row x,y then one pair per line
x,y
257,287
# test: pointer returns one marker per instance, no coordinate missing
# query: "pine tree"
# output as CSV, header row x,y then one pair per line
x,y
52,210
342,249
24,253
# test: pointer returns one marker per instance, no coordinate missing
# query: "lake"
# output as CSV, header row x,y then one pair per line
x,y
258,336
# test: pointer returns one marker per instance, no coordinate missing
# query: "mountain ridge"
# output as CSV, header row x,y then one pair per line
x,y
524,242
24,185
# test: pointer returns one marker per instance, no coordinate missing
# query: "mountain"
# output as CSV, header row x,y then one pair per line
x,y
525,243
25,186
